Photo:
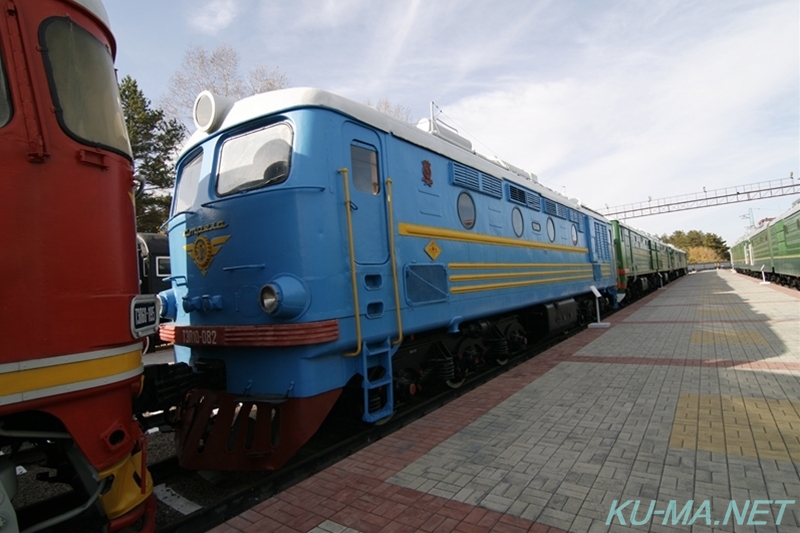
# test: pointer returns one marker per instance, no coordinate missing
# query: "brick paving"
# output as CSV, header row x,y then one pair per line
x,y
693,393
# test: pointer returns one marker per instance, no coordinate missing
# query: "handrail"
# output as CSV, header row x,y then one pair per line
x,y
390,209
344,172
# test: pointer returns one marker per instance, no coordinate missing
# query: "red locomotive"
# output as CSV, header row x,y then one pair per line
x,y
70,315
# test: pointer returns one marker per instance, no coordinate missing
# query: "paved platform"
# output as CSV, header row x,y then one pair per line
x,y
684,415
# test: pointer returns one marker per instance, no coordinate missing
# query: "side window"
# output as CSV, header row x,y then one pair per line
x,y
466,210
551,229
188,182
516,221
163,268
5,98
365,169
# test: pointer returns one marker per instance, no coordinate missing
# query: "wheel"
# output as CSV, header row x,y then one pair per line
x,y
468,355
517,339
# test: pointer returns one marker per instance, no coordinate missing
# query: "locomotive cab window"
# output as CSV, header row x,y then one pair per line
x,y
255,159
83,85
365,168
5,98
187,184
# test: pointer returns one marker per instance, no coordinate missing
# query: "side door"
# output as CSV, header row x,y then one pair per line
x,y
365,161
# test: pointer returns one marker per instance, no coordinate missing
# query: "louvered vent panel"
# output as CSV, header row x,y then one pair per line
x,y
549,207
466,177
534,201
603,251
561,211
491,186
574,216
517,195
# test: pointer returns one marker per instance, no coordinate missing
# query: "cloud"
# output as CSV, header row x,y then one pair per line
x,y
214,16
654,118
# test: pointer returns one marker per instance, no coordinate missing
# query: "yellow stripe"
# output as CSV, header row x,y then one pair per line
x,y
506,275
414,230
511,285
55,376
461,266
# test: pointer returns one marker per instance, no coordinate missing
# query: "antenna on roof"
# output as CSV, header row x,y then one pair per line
x,y
443,130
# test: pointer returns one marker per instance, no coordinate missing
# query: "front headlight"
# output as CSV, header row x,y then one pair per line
x,y
284,297
269,299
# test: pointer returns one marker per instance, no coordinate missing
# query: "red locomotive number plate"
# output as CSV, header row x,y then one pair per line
x,y
200,336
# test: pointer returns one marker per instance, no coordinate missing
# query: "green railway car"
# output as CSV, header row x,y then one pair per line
x,y
644,263
772,248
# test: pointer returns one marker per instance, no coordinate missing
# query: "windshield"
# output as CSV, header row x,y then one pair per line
x,y
255,159
5,99
187,184
83,85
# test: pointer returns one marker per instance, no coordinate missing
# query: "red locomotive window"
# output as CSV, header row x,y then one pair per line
x,y
5,99
83,85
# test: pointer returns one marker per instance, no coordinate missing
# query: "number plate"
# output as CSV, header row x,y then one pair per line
x,y
199,336
144,315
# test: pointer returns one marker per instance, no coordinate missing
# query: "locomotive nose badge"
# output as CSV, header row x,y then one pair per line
x,y
203,250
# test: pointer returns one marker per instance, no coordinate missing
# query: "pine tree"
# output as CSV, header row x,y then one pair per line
x,y
155,141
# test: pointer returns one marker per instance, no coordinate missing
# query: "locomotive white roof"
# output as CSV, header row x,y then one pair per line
x,y
284,100
96,7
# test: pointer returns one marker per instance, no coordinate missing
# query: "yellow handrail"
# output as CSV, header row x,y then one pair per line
x,y
394,263
344,172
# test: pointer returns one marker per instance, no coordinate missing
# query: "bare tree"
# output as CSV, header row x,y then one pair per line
x,y
398,111
218,72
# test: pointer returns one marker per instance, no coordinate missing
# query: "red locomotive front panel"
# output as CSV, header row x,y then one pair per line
x,y
69,313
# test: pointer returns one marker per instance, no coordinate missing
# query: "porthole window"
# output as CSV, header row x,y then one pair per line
x,y
574,235
551,229
516,221
535,226
466,210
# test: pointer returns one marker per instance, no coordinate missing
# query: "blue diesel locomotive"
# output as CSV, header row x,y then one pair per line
x,y
318,245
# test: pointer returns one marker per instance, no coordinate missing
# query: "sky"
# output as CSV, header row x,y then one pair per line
x,y
608,101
